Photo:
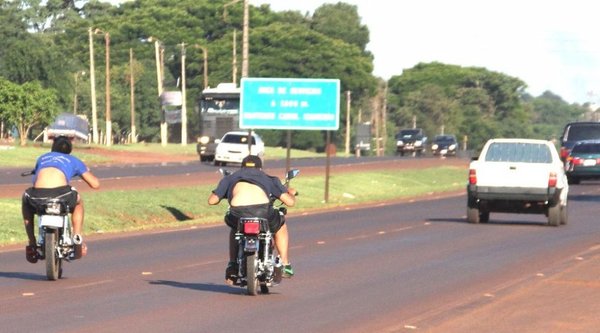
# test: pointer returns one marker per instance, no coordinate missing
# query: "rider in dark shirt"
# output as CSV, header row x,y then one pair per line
x,y
250,192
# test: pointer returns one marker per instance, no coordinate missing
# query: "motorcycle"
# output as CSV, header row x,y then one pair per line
x,y
258,266
56,242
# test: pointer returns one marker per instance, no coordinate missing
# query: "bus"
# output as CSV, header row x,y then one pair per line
x,y
219,114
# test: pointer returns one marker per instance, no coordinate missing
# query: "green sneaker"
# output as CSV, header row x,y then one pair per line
x,y
288,271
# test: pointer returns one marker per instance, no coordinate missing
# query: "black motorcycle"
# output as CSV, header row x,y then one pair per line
x,y
56,241
258,266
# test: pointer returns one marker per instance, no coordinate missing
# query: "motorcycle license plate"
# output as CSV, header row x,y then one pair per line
x,y
251,245
55,221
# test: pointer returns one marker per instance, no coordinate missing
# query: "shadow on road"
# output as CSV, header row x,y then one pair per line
x,y
491,222
22,276
584,198
217,288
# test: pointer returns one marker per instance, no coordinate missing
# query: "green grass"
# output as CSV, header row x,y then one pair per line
x,y
118,211
25,157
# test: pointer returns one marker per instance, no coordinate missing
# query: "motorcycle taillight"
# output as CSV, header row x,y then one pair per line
x,y
251,227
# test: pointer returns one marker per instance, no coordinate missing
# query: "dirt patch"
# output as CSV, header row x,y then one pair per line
x,y
133,157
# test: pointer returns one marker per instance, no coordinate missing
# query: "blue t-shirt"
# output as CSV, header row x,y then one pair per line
x,y
70,165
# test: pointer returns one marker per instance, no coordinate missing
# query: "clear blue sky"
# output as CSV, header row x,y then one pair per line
x,y
549,44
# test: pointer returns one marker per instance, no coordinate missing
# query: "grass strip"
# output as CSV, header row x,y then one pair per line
x,y
124,210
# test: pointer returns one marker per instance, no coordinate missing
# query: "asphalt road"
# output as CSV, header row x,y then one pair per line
x,y
10,176
411,266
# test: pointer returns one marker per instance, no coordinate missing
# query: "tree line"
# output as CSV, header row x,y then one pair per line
x,y
45,70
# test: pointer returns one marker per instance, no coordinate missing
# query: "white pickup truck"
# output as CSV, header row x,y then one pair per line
x,y
523,176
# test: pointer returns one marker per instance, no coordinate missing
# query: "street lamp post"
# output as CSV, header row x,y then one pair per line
x,y
158,54
107,92
205,59
245,33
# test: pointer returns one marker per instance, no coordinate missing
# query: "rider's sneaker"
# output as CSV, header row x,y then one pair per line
x,y
231,273
288,271
31,253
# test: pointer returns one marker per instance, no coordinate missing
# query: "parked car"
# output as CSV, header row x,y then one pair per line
x,y
577,131
583,161
523,176
444,144
233,147
410,140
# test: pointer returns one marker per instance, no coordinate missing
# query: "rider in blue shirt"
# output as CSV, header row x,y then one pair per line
x,y
52,175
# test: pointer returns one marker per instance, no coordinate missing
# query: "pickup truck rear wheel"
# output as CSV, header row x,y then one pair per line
x,y
563,215
472,214
554,215
484,216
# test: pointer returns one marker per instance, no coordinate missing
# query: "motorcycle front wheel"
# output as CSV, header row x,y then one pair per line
x,y
252,274
53,262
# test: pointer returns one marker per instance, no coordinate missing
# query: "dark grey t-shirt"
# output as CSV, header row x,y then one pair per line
x,y
271,185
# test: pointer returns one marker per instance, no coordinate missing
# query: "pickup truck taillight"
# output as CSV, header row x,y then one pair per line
x,y
575,160
564,153
472,177
552,179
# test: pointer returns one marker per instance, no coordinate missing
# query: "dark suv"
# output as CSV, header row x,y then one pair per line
x,y
577,131
410,140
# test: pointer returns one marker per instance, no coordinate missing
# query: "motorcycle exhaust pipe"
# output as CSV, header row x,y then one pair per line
x,y
77,249
77,239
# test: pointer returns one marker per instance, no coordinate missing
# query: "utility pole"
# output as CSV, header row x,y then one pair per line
x,y
348,94
93,89
108,117
234,62
246,28
183,99
132,96
384,119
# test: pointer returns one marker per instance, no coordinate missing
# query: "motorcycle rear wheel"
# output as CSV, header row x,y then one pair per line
x,y
252,274
53,262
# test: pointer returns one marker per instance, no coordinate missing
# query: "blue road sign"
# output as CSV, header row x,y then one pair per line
x,y
299,104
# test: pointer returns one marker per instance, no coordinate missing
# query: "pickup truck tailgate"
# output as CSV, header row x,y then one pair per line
x,y
514,174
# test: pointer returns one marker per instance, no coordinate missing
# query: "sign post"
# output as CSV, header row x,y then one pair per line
x,y
291,104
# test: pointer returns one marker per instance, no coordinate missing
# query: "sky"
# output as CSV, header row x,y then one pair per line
x,y
549,44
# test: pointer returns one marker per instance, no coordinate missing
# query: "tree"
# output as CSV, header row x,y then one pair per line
x,y
477,103
293,51
26,106
341,21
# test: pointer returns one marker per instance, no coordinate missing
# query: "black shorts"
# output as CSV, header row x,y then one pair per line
x,y
34,196
265,211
